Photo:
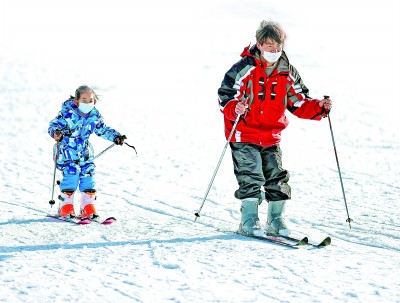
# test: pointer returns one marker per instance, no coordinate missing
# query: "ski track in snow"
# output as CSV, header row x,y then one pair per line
x,y
155,252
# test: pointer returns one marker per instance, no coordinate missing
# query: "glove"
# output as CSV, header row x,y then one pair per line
x,y
57,135
119,140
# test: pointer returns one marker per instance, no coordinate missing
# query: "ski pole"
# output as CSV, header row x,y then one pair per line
x,y
111,146
197,214
338,166
52,202
100,153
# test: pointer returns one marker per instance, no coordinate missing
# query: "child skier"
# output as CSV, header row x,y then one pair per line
x,y
76,121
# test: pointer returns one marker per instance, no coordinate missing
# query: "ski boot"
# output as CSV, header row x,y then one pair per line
x,y
276,224
87,207
250,223
66,207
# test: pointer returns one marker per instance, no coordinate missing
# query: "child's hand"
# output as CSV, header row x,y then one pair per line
x,y
57,135
119,140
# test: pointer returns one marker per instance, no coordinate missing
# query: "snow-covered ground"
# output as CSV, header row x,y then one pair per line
x,y
157,66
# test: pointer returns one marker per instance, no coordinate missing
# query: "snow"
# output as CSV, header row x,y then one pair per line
x,y
157,66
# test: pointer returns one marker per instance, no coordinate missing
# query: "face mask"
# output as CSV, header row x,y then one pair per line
x,y
86,107
272,57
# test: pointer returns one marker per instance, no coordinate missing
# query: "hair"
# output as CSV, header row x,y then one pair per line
x,y
84,89
269,30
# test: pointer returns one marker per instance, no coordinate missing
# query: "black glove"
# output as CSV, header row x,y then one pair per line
x,y
58,135
119,140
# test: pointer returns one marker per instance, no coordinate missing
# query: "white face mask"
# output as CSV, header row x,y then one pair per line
x,y
86,107
272,57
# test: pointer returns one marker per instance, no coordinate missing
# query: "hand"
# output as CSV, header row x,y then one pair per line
x,y
240,108
326,104
57,135
119,140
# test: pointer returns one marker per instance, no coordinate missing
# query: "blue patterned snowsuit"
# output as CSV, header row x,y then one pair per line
x,y
75,153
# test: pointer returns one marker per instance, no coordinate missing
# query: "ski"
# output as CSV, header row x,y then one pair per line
x,y
325,242
98,219
292,243
75,220
108,221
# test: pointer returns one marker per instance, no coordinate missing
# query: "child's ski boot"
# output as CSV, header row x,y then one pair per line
x,y
87,204
66,208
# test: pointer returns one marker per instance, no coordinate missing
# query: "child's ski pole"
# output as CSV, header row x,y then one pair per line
x,y
55,156
100,153
111,146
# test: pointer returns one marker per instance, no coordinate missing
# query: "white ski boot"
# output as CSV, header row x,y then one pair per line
x,y
87,204
66,207
250,223
276,224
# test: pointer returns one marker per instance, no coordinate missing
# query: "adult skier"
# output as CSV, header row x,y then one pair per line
x,y
260,87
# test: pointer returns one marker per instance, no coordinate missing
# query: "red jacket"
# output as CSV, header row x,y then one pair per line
x,y
268,97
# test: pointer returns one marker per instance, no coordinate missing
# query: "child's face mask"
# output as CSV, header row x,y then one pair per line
x,y
86,107
86,102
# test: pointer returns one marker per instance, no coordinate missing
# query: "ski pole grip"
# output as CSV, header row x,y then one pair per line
x,y
323,109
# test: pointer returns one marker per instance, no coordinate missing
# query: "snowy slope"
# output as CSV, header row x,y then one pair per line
x,y
157,67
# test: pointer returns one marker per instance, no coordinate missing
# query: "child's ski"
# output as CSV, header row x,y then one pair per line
x,y
108,221
75,220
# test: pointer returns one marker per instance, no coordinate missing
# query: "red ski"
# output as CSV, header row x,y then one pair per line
x,y
75,220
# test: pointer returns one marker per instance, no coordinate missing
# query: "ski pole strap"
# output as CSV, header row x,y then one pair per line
x,y
131,146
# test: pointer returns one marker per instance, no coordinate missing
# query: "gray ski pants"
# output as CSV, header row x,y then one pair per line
x,y
256,166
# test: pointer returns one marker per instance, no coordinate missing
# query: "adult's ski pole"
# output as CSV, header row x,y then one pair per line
x,y
338,166
197,214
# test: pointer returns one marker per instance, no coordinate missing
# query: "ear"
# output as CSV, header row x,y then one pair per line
x,y
76,102
258,46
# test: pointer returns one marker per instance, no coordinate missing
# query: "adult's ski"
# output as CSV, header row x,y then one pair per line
x,y
74,220
292,243
325,242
